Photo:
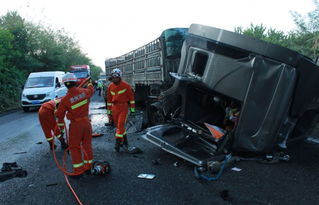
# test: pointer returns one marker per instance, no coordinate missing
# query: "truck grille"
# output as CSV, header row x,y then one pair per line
x,y
36,97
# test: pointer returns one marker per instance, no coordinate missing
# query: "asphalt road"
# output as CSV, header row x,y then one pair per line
x,y
292,182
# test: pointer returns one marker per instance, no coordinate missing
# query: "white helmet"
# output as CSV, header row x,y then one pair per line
x,y
116,72
69,77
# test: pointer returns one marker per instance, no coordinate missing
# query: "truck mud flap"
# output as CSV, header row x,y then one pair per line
x,y
180,142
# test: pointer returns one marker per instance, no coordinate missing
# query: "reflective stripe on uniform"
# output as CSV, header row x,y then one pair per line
x,y
78,165
109,112
121,91
58,136
79,104
109,104
88,161
112,93
132,109
132,102
50,139
60,124
90,84
118,135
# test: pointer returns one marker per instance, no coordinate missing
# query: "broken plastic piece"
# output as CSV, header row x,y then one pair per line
x,y
217,133
97,135
133,150
146,176
236,169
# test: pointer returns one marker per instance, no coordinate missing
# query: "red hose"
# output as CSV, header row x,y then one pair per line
x,y
63,169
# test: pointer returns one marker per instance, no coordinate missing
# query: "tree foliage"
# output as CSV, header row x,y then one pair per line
x,y
305,39
28,47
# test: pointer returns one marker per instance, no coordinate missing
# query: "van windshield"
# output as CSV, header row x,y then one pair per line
x,y
81,74
39,82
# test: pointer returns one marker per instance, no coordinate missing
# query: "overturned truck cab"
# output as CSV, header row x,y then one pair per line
x,y
234,93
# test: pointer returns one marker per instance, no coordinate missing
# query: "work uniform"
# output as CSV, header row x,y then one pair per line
x,y
48,121
99,87
119,97
76,104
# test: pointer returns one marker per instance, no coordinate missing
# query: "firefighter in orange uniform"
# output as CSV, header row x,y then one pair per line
x,y
76,105
48,122
119,96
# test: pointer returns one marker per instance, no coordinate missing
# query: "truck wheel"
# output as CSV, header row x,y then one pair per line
x,y
25,109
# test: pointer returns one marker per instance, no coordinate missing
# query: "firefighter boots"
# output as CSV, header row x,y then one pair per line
x,y
50,145
64,145
125,143
118,144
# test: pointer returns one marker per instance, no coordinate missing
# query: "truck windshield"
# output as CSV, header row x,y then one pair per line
x,y
39,82
81,74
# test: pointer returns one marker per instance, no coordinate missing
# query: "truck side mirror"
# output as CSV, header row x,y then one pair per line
x,y
58,85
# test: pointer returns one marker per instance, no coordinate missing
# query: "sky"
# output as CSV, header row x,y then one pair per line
x,y
110,28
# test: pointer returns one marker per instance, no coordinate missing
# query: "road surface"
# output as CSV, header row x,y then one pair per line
x,y
292,182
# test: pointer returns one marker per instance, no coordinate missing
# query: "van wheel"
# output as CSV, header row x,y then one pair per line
x,y
25,109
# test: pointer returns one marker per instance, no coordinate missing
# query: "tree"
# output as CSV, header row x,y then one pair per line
x,y
95,72
261,32
307,34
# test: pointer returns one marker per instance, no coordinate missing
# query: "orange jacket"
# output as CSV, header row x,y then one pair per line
x,y
120,94
51,105
76,102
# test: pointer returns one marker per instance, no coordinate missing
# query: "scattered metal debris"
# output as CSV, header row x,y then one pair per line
x,y
19,152
236,169
133,150
53,184
176,164
156,161
97,135
11,170
312,140
146,176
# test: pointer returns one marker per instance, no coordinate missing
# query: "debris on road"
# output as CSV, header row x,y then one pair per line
x,y
176,164
11,170
225,195
156,161
39,143
19,152
97,135
236,169
100,168
133,150
53,184
146,176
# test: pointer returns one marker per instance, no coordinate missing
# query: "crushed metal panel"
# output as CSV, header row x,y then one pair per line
x,y
265,107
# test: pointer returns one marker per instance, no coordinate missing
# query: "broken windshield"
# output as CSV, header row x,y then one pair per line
x,y
40,82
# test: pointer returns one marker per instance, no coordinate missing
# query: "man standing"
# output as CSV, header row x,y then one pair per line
x,y
48,122
99,86
76,105
119,96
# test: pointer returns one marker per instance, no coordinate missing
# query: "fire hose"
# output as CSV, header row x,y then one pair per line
x,y
63,168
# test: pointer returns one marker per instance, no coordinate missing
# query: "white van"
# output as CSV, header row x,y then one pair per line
x,y
41,87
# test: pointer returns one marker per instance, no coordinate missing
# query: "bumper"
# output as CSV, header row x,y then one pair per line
x,y
33,103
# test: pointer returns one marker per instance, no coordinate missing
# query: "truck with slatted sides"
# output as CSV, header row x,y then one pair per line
x,y
147,68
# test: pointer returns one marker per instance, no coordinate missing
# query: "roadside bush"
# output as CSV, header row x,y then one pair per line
x,y
11,81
